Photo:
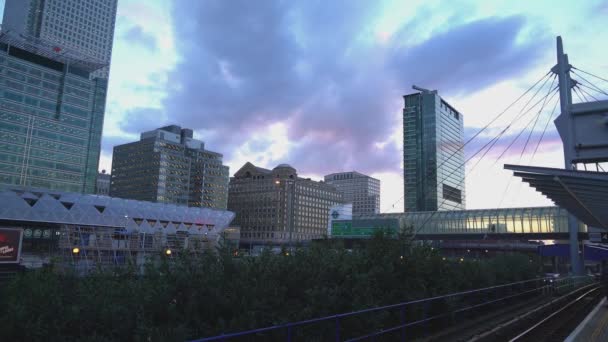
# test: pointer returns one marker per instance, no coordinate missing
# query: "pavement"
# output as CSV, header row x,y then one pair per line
x,y
594,327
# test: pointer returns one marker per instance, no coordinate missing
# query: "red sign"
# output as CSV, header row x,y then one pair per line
x,y
10,245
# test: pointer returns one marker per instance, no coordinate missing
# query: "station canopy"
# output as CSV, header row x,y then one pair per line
x,y
583,193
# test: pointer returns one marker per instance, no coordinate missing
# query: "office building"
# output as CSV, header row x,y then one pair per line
x,y
84,26
360,190
51,116
276,207
167,165
433,156
102,186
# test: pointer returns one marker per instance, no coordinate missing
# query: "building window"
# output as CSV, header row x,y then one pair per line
x,y
452,194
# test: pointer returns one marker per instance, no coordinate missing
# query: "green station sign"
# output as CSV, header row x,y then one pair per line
x,y
346,228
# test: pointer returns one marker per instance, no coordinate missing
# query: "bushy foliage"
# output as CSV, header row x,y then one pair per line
x,y
188,297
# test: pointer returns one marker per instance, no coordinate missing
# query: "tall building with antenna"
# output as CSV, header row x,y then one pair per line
x,y
433,156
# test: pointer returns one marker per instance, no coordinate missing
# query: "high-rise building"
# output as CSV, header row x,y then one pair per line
x,y
51,115
102,186
167,165
360,190
54,61
275,207
85,26
433,156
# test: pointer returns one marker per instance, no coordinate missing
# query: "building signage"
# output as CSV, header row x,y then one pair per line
x,y
10,245
362,228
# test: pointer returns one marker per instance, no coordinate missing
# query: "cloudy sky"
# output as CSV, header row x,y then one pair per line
x,y
318,84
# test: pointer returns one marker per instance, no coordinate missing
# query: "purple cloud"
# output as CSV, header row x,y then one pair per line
x,y
246,65
136,35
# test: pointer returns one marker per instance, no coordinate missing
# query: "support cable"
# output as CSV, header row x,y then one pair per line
x,y
580,98
590,74
535,122
596,88
504,194
543,133
586,92
538,115
545,77
520,115
580,93
546,99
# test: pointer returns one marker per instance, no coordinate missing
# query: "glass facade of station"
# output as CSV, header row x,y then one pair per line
x,y
539,220
51,120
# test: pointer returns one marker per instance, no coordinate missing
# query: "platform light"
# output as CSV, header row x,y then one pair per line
x,y
75,250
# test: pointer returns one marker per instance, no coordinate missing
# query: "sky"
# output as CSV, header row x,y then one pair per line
x,y
319,84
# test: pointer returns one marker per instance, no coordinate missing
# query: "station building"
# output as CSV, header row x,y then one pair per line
x,y
87,231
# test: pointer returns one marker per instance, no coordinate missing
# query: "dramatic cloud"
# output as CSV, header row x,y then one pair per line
x,y
469,57
139,120
136,35
317,69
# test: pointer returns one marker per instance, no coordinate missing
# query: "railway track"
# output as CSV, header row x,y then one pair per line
x,y
557,325
551,321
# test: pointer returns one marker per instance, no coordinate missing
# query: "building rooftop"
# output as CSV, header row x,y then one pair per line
x,y
42,205
52,51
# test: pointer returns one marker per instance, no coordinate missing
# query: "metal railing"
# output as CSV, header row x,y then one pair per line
x,y
416,314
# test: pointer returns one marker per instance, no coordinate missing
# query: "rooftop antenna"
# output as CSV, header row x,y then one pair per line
x,y
415,87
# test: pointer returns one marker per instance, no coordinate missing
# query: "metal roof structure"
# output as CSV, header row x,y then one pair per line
x,y
52,50
47,206
583,193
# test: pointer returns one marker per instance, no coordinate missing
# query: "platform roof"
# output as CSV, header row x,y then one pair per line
x,y
583,193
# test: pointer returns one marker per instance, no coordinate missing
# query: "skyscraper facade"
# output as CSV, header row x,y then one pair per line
x,y
360,190
51,116
85,26
167,165
433,156
54,59
275,207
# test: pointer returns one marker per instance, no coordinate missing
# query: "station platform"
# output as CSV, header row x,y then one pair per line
x,y
594,327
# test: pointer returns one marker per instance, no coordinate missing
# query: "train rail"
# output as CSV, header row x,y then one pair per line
x,y
561,322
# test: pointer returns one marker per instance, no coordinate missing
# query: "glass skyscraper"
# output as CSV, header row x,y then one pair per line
x,y
433,156
54,62
168,166
51,116
85,26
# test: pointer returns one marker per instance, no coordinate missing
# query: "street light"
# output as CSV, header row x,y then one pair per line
x,y
168,252
75,250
